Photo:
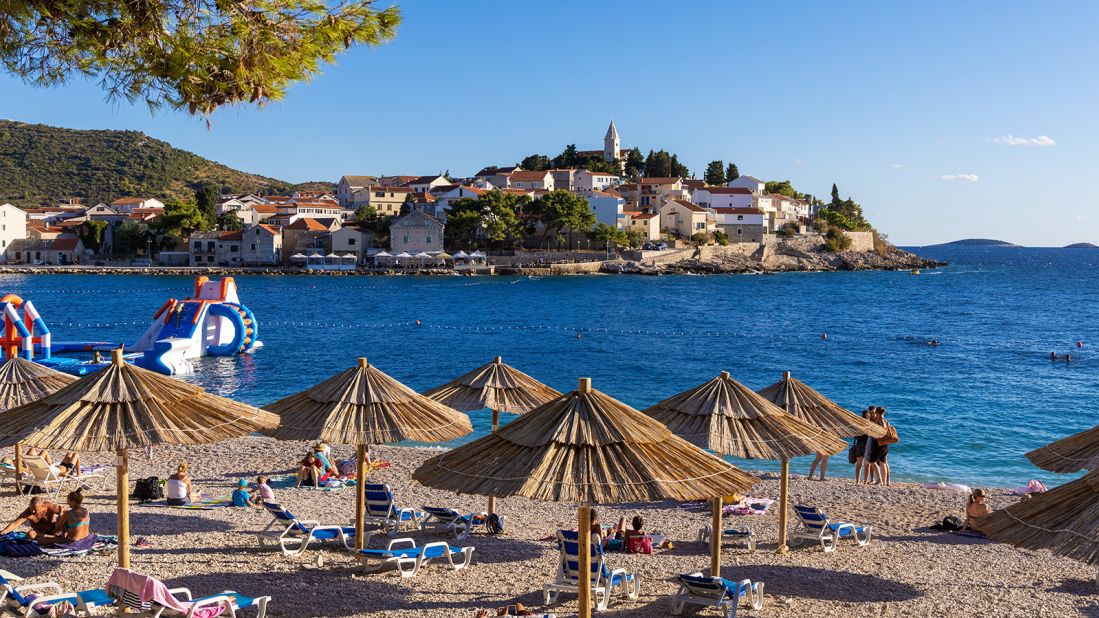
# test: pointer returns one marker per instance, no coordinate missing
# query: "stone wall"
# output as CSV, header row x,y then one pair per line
x,y
861,241
527,258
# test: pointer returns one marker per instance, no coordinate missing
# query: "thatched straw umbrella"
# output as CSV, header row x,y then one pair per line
x,y
799,399
1064,520
363,406
122,407
498,387
22,382
1077,452
585,447
729,418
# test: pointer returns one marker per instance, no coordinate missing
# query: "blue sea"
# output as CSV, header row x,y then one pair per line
x,y
967,410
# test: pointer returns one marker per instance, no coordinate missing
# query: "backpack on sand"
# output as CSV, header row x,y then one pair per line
x,y
148,490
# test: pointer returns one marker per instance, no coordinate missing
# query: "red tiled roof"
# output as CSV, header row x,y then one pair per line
x,y
267,209
232,236
387,188
128,200
528,176
270,228
307,224
64,244
660,181
642,215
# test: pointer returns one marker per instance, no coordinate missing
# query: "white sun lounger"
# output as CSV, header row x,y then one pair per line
x,y
408,558
48,478
294,535
733,535
813,525
603,579
724,594
24,599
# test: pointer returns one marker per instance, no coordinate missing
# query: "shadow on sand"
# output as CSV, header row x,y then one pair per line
x,y
143,522
826,584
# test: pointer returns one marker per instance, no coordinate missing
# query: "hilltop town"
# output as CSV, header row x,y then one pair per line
x,y
605,210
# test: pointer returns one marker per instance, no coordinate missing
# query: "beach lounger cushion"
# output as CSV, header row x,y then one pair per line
x,y
724,594
603,579
49,477
294,535
814,525
147,596
454,522
36,599
408,558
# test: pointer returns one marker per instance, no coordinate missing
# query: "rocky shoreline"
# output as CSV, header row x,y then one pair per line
x,y
706,260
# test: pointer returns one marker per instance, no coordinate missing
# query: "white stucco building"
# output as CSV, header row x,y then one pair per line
x,y
13,226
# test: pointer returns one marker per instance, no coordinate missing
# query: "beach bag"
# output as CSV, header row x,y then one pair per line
x,y
639,545
952,523
148,490
851,458
890,436
494,525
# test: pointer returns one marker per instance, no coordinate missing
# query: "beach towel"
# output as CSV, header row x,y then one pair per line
x,y
290,481
152,590
91,544
205,504
749,506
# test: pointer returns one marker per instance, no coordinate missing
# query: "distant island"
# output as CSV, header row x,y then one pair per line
x,y
1081,245
977,242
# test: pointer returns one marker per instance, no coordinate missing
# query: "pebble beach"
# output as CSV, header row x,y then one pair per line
x,y
907,569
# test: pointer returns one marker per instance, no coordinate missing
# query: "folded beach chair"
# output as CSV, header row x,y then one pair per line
x,y
603,579
32,600
735,535
294,535
813,525
382,510
142,595
453,522
47,477
409,559
724,594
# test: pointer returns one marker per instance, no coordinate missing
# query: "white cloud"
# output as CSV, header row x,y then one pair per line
x,y
895,166
964,177
1011,140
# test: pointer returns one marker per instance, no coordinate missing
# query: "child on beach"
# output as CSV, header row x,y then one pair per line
x,y
264,493
241,497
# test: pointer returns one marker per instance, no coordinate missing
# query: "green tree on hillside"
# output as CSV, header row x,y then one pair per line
x,y
782,187
127,238
91,234
187,54
181,218
366,216
563,210
230,222
493,218
536,163
567,158
206,198
635,163
731,173
836,201
715,173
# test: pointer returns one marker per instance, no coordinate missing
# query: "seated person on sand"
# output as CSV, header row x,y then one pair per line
x,y
41,514
310,470
975,510
241,497
263,492
179,490
70,464
74,524
323,452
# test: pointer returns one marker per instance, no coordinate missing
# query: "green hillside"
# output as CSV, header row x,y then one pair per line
x,y
42,165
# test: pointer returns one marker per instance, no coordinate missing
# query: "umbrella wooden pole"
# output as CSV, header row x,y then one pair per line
x,y
784,494
360,494
123,509
18,469
495,428
715,539
583,567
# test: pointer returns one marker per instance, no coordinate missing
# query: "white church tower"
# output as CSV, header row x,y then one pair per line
x,y
611,149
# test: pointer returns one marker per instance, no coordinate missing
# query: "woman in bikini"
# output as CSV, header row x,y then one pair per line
x,y
70,464
74,523
975,510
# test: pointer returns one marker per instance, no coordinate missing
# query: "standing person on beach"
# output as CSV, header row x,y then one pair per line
x,y
858,453
877,454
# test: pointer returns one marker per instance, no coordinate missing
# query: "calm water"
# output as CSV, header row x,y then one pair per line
x,y
966,410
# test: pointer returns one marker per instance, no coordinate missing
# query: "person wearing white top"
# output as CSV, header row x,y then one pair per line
x,y
178,491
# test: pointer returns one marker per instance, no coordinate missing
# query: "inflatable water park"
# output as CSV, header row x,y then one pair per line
x,y
211,323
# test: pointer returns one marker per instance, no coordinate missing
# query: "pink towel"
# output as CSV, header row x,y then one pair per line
x,y
150,589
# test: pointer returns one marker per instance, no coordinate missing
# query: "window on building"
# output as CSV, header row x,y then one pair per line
x,y
428,239
210,245
739,231
234,249
406,239
740,217
253,246
379,194
700,226
351,241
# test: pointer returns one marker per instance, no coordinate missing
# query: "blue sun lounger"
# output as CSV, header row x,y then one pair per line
x,y
603,579
32,600
382,511
294,535
735,535
813,525
451,521
408,558
724,594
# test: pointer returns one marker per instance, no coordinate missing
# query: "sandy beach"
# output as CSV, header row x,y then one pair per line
x,y
907,570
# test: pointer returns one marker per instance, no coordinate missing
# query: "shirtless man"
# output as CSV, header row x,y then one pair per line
x,y
42,515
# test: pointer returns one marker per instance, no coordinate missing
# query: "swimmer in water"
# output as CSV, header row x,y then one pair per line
x,y
933,342
1068,358
578,335
824,336
1052,356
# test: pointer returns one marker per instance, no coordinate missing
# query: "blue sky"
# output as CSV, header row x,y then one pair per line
x,y
945,120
